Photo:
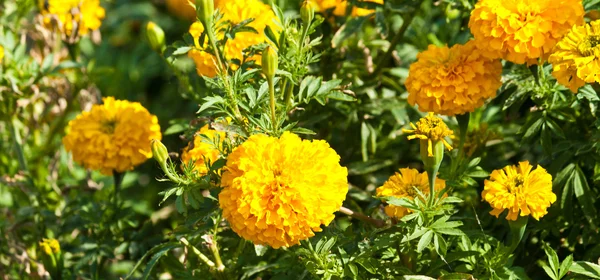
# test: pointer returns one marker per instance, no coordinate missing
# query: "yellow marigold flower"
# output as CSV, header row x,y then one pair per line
x,y
403,184
114,136
234,11
339,7
454,80
200,151
50,246
518,188
576,58
280,191
79,16
431,129
523,31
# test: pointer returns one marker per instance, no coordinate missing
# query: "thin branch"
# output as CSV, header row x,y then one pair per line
x,y
374,222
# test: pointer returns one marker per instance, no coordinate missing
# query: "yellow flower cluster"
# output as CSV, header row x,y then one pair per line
x,y
339,7
200,151
576,58
431,129
403,184
114,136
280,191
234,11
519,190
454,80
523,31
73,16
50,246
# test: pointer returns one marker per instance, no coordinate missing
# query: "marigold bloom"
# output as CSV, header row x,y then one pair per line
x,y
576,58
79,16
432,129
114,136
519,189
200,151
50,246
234,11
523,31
403,184
280,191
339,7
454,80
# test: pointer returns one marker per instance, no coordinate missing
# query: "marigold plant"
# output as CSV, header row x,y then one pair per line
x,y
523,31
576,58
112,137
202,150
279,191
521,190
454,80
404,184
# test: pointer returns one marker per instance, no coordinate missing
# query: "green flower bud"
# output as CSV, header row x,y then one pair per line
x,y
451,13
155,37
438,153
160,153
307,12
270,62
205,10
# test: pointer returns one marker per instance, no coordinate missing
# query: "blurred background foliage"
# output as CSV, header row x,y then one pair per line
x,y
43,194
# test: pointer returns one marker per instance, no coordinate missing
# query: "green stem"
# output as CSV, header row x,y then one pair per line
x,y
272,103
197,252
432,175
18,142
375,222
288,97
118,179
397,39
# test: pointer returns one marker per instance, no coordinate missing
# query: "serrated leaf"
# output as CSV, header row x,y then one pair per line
x,y
209,102
586,268
565,266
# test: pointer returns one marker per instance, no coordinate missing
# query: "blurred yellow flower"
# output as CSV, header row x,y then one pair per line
x,y
454,80
280,191
182,8
1,53
200,150
234,11
71,16
523,31
403,184
339,7
576,58
114,136
519,189
431,129
50,246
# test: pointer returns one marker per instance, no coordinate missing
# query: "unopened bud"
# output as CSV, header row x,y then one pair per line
x,y
204,11
160,153
155,36
307,12
270,62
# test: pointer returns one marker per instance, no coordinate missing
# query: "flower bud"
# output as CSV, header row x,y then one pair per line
x,y
155,37
270,62
160,153
435,160
204,11
307,12
51,257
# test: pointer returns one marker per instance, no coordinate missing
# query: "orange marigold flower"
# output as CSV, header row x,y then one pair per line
x,y
182,8
523,31
114,136
431,129
279,191
404,184
520,190
451,81
203,149
576,58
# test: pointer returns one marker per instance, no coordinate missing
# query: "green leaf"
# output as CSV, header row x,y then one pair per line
x,y
182,50
162,247
533,129
47,63
553,260
260,250
425,241
565,266
441,247
584,195
456,276
586,268
209,101
350,27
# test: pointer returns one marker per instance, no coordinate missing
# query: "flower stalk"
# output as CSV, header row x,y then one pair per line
x,y
270,63
374,222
